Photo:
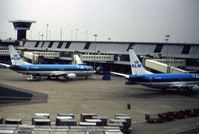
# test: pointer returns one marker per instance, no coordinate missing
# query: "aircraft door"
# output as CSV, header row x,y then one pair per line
x,y
28,69
61,69
150,79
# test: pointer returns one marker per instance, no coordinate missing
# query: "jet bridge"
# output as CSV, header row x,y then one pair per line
x,y
156,64
34,56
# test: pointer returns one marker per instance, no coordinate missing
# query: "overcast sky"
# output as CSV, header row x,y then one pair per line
x,y
120,20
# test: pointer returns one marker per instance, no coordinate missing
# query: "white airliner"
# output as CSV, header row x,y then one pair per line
x,y
49,70
180,81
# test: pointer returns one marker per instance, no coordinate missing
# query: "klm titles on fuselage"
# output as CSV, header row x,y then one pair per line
x,y
15,57
136,64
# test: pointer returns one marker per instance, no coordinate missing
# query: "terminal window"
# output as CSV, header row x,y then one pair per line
x,y
50,45
87,45
37,44
158,48
67,44
21,24
130,46
186,49
60,45
42,44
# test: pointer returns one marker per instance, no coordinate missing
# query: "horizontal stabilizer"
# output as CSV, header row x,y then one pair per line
x,y
120,74
4,65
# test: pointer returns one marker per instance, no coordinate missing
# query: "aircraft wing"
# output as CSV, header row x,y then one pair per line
x,y
4,65
64,74
120,74
57,74
185,85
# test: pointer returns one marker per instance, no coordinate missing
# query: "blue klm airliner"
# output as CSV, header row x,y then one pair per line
x,y
50,70
180,81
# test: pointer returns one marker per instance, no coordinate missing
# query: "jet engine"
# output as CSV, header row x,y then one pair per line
x,y
33,78
71,76
29,77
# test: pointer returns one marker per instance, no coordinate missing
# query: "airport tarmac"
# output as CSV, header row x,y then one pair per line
x,y
102,97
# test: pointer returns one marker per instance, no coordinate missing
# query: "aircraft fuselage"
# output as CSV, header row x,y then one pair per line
x,y
46,69
165,81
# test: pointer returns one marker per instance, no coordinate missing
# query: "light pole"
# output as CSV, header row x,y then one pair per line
x,y
167,60
71,34
42,36
60,33
31,35
5,35
47,31
49,35
38,35
95,36
15,33
76,30
86,35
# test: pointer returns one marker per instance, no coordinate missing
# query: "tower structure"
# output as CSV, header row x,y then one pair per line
x,y
21,26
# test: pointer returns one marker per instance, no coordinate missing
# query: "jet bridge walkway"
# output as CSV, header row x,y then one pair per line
x,y
162,67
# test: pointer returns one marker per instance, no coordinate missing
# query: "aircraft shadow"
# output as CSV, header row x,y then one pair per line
x,y
143,92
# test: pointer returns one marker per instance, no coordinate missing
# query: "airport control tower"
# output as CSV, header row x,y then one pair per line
x,y
21,26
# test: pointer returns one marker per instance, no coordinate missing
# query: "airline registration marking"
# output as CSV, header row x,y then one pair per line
x,y
196,76
81,67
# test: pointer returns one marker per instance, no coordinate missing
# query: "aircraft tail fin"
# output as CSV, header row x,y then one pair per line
x,y
136,66
76,59
15,57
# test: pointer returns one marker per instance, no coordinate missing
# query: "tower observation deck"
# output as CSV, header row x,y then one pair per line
x,y
21,26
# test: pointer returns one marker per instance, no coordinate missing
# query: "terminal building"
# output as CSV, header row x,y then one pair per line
x,y
156,56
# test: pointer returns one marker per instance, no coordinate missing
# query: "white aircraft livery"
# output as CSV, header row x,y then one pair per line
x,y
49,70
181,81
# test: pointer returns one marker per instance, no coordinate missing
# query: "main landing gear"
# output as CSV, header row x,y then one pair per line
x,y
184,90
32,77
